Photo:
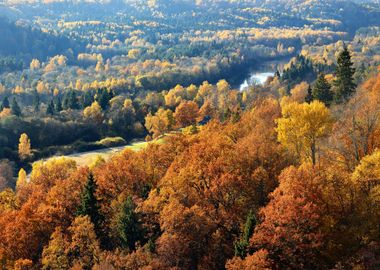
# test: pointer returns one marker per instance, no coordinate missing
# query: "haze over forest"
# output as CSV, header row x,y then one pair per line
x,y
189,134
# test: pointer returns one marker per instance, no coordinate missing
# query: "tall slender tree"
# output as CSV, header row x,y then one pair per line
x,y
128,226
344,83
24,147
241,247
58,104
5,103
70,100
87,99
36,101
15,107
50,108
89,205
309,96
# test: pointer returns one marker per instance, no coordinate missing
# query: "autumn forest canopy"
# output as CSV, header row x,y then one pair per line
x,y
189,134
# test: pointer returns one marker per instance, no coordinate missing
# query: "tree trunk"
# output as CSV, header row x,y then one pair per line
x,y
313,153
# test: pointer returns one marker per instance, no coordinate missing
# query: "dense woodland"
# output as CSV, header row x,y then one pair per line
x,y
279,175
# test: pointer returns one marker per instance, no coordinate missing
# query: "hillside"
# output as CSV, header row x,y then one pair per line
x,y
189,135
25,42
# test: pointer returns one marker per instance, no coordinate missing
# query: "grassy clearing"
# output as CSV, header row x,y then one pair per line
x,y
88,158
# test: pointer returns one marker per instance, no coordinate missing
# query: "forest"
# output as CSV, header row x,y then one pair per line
x,y
280,174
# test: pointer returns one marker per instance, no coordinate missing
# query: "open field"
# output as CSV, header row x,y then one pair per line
x,y
87,158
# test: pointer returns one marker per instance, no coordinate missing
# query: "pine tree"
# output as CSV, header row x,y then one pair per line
x,y
36,101
242,245
15,108
5,103
322,90
89,205
103,97
70,100
128,225
87,99
50,108
309,96
344,82
58,105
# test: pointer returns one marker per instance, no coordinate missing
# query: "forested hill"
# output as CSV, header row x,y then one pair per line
x,y
349,15
25,42
342,15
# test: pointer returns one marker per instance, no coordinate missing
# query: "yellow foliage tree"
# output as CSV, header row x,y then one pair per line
x,y
53,255
5,113
366,179
134,53
35,64
2,88
369,168
24,147
22,178
18,90
8,201
161,122
303,126
94,112
84,244
41,87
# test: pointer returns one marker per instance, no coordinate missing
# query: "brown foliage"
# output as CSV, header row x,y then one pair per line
x,y
291,222
186,113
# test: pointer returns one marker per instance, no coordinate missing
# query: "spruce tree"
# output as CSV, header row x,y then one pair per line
x,y
89,205
5,103
128,226
322,90
58,105
309,96
241,247
103,97
344,82
36,101
15,108
87,99
70,100
50,108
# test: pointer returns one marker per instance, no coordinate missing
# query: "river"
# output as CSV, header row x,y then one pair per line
x,y
262,72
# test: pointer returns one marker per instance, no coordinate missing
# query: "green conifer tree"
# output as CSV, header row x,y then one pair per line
x,y
103,97
344,83
58,105
87,99
241,247
15,108
322,90
5,103
309,96
89,205
36,101
128,226
50,108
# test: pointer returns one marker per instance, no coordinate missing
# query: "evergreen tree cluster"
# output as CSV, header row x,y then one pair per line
x,y
343,85
103,97
300,69
129,229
